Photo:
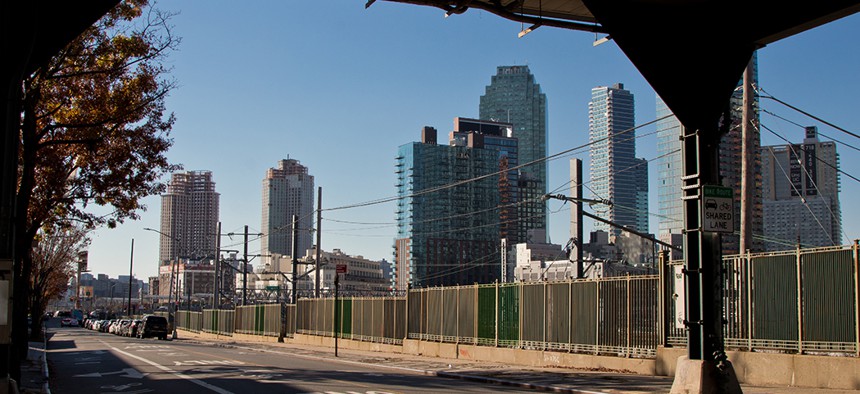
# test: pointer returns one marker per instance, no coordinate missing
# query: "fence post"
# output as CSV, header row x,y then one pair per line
x,y
545,306
441,290
457,322
597,319
496,311
662,327
856,250
799,303
570,322
477,309
520,315
406,310
627,351
749,267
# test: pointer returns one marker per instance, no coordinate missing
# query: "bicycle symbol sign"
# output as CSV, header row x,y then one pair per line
x,y
718,209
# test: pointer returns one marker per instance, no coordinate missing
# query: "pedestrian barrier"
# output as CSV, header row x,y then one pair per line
x,y
801,301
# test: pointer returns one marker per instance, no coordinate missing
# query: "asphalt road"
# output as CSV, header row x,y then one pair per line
x,y
84,361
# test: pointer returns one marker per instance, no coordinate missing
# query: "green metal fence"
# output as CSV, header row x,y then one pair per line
x,y
373,319
261,319
189,320
608,316
218,321
803,301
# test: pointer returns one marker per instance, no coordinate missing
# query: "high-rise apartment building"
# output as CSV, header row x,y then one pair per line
x,y
189,217
616,174
669,175
287,190
514,96
447,212
801,194
497,136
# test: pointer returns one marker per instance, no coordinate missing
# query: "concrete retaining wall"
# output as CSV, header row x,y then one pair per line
x,y
760,369
776,369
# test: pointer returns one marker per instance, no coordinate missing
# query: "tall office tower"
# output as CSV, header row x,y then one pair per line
x,y
287,190
497,136
801,194
189,217
514,97
447,216
669,164
615,172
669,176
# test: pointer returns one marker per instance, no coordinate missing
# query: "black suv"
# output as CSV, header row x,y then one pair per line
x,y
153,326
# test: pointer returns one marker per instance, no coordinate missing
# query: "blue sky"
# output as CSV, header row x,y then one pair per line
x,y
339,88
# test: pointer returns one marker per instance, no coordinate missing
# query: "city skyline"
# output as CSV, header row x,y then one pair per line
x,y
276,93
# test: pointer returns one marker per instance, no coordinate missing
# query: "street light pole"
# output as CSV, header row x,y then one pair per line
x,y
174,265
130,276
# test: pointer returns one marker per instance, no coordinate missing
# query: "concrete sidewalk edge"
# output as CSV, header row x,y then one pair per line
x,y
441,374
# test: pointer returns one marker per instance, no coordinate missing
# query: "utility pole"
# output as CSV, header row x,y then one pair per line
x,y
295,260
319,247
576,213
130,276
216,289
245,271
748,148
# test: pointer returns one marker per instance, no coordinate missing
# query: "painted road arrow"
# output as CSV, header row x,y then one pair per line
x,y
125,373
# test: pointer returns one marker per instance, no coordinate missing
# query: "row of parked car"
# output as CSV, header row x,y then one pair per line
x,y
149,326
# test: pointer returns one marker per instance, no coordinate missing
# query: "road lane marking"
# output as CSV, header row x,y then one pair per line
x,y
207,362
171,371
125,373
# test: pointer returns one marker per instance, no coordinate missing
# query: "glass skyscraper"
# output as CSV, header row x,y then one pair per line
x,y
671,208
669,174
514,97
447,223
616,174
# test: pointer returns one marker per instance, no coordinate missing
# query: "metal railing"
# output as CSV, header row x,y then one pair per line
x,y
189,320
261,319
607,316
803,301
373,319
218,321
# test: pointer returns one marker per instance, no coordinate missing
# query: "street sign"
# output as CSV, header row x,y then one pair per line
x,y
718,211
271,288
341,269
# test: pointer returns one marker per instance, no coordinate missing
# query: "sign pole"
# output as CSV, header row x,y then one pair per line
x,y
336,317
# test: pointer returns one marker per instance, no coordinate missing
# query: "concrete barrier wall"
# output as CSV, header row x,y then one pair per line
x,y
776,369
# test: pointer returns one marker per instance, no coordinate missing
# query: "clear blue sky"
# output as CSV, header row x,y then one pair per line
x,y
339,88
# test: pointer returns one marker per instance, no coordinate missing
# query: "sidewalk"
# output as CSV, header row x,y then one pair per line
x,y
34,370
545,379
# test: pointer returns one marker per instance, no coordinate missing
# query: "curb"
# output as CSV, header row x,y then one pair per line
x,y
441,374
502,382
46,387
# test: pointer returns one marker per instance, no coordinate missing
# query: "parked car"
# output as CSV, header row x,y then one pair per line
x,y
134,328
153,326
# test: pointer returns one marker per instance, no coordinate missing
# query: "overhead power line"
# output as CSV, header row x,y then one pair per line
x,y
466,181
768,96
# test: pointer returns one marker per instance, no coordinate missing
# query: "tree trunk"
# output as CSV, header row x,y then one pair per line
x,y
23,238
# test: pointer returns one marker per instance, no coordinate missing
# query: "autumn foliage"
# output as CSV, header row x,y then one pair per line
x,y
94,133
